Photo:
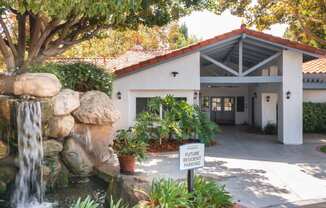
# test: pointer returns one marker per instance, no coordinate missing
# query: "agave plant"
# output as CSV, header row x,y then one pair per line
x,y
85,203
117,204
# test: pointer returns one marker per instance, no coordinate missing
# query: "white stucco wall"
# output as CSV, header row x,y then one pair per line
x,y
269,108
156,81
290,122
240,117
315,96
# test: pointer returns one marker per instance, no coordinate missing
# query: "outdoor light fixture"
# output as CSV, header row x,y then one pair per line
x,y
268,98
119,95
255,94
174,73
195,95
288,94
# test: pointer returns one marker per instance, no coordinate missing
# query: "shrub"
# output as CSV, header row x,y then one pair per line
x,y
167,193
127,144
314,117
270,129
207,194
117,204
323,149
85,203
180,120
79,76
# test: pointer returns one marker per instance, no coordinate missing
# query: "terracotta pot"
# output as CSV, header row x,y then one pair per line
x,y
127,164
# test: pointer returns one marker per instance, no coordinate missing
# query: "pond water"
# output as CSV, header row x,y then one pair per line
x,y
65,197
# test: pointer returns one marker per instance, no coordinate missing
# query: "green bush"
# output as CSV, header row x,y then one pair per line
x,y
79,76
127,144
180,120
270,129
167,193
210,195
314,117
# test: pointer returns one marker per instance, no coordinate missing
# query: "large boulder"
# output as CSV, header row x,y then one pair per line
x,y
96,139
36,84
61,126
76,158
65,102
52,148
7,175
96,108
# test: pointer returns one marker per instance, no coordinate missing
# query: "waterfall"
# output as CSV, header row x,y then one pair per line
x,y
29,188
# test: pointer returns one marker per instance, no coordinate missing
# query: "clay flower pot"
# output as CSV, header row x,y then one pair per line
x,y
127,164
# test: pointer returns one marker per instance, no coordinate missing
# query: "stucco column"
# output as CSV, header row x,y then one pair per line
x,y
291,93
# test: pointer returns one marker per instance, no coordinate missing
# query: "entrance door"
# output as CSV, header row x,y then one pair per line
x,y
222,110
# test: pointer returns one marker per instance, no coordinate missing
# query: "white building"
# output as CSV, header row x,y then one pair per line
x,y
240,77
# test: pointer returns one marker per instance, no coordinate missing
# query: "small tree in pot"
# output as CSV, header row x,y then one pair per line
x,y
129,148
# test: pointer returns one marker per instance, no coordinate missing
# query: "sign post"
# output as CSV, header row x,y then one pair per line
x,y
192,156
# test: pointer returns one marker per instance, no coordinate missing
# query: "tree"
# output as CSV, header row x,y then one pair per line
x,y
117,42
305,18
33,30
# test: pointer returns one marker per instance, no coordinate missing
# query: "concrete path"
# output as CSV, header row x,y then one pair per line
x,y
257,170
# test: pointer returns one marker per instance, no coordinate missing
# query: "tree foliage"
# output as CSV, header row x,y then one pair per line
x,y
113,43
305,18
33,30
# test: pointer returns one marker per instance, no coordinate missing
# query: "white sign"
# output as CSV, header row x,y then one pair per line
x,y
192,156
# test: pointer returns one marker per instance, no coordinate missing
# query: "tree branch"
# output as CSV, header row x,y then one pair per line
x,y
21,42
7,55
8,37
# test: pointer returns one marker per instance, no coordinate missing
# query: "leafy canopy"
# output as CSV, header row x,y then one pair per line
x,y
34,30
305,18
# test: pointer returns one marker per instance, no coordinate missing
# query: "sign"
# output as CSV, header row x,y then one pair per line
x,y
192,156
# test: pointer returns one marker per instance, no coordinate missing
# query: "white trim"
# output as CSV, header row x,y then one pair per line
x,y
240,57
217,63
239,80
271,58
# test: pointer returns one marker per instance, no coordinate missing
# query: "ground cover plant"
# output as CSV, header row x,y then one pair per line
x,y
79,76
169,122
323,149
168,193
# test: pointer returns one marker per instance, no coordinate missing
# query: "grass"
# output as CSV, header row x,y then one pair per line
x,y
323,149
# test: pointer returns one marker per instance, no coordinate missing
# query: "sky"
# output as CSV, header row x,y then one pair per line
x,y
206,24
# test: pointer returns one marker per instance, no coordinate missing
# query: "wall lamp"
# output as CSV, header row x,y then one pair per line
x,y
195,95
255,94
174,73
268,98
119,95
288,95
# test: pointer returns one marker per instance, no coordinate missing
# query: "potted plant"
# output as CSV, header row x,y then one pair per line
x,y
129,148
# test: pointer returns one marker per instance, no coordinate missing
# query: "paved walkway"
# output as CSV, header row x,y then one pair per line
x,y
256,170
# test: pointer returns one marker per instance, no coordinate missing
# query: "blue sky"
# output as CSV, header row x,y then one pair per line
x,y
206,24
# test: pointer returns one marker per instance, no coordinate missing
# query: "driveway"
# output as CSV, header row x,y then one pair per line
x,y
256,169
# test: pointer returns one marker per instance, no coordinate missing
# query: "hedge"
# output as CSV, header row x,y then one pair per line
x,y
79,76
314,117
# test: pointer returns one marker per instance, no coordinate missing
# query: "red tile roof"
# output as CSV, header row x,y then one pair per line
x,y
317,66
260,35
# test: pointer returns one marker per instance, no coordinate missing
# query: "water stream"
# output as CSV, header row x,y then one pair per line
x,y
29,190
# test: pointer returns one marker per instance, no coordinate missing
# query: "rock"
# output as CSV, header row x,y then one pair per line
x,y
96,108
65,102
62,179
7,175
4,150
52,148
36,84
76,158
61,126
96,139
51,170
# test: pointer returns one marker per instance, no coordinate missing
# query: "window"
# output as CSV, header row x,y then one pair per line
x,y
228,103
216,104
240,104
142,103
205,102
